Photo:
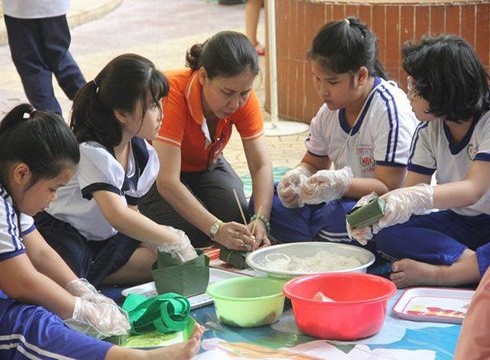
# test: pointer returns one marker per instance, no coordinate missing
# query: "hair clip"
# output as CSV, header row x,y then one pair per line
x,y
96,86
27,115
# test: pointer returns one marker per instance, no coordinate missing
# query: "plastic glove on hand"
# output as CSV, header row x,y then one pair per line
x,y
362,235
326,185
288,188
82,288
99,320
402,203
181,249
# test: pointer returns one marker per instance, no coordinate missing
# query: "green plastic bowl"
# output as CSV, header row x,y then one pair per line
x,y
248,301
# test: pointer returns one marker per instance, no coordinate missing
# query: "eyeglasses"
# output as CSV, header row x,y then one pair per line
x,y
411,91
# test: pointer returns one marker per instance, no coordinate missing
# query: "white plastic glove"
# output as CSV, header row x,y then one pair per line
x,y
82,288
181,249
326,185
99,320
401,204
288,188
362,235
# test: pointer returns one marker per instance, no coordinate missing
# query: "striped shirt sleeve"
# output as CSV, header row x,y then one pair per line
x,y
422,159
10,238
395,126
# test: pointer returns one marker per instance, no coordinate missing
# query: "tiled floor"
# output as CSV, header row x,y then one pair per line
x,y
161,30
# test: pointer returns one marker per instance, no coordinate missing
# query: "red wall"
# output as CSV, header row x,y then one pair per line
x,y
395,22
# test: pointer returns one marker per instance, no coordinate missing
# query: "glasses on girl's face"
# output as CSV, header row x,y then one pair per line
x,y
411,91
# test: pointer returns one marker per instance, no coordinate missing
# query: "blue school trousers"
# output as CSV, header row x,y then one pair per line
x,y
32,332
322,222
438,238
39,49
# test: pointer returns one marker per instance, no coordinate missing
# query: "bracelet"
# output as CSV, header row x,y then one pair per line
x,y
264,221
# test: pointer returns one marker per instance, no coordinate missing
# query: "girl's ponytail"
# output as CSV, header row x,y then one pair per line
x,y
40,139
90,120
15,118
347,45
372,63
123,82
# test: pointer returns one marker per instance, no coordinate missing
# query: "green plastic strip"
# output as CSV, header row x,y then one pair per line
x,y
165,313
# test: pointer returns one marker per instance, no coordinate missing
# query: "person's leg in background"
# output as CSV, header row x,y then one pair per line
x,y
56,42
26,48
252,15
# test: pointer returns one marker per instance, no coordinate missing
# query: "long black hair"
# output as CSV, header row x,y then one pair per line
x,y
119,86
42,140
345,46
226,54
449,76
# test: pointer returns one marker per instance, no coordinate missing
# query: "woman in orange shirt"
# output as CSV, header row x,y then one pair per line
x,y
194,188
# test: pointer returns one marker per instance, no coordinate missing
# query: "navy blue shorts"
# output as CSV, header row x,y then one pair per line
x,y
92,260
438,238
322,222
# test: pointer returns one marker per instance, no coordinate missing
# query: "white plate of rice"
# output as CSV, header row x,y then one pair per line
x,y
295,259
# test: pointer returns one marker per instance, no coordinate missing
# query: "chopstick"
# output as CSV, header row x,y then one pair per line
x,y
255,223
240,207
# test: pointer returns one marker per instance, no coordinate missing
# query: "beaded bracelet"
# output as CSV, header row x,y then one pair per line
x,y
264,221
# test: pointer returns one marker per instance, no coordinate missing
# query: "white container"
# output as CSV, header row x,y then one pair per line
x,y
256,259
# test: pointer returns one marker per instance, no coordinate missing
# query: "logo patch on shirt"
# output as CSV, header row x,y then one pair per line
x,y
366,158
472,151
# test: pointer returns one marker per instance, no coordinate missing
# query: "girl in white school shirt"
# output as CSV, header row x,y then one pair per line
x,y
364,128
94,223
42,302
449,92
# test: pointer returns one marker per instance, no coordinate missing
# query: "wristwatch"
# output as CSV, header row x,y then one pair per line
x,y
213,231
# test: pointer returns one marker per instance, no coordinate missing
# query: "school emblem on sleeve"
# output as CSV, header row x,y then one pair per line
x,y
472,151
366,158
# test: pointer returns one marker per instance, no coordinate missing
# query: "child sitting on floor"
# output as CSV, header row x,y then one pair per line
x,y
364,128
449,92
94,224
38,155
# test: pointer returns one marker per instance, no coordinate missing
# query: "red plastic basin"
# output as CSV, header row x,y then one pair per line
x,y
359,309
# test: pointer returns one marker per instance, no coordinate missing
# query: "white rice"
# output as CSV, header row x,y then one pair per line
x,y
323,261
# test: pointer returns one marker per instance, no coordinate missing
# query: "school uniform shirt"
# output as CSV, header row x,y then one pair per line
x,y
432,150
10,235
35,9
184,125
381,134
99,170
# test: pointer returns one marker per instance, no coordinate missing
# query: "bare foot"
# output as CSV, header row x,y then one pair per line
x,y
183,351
408,272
